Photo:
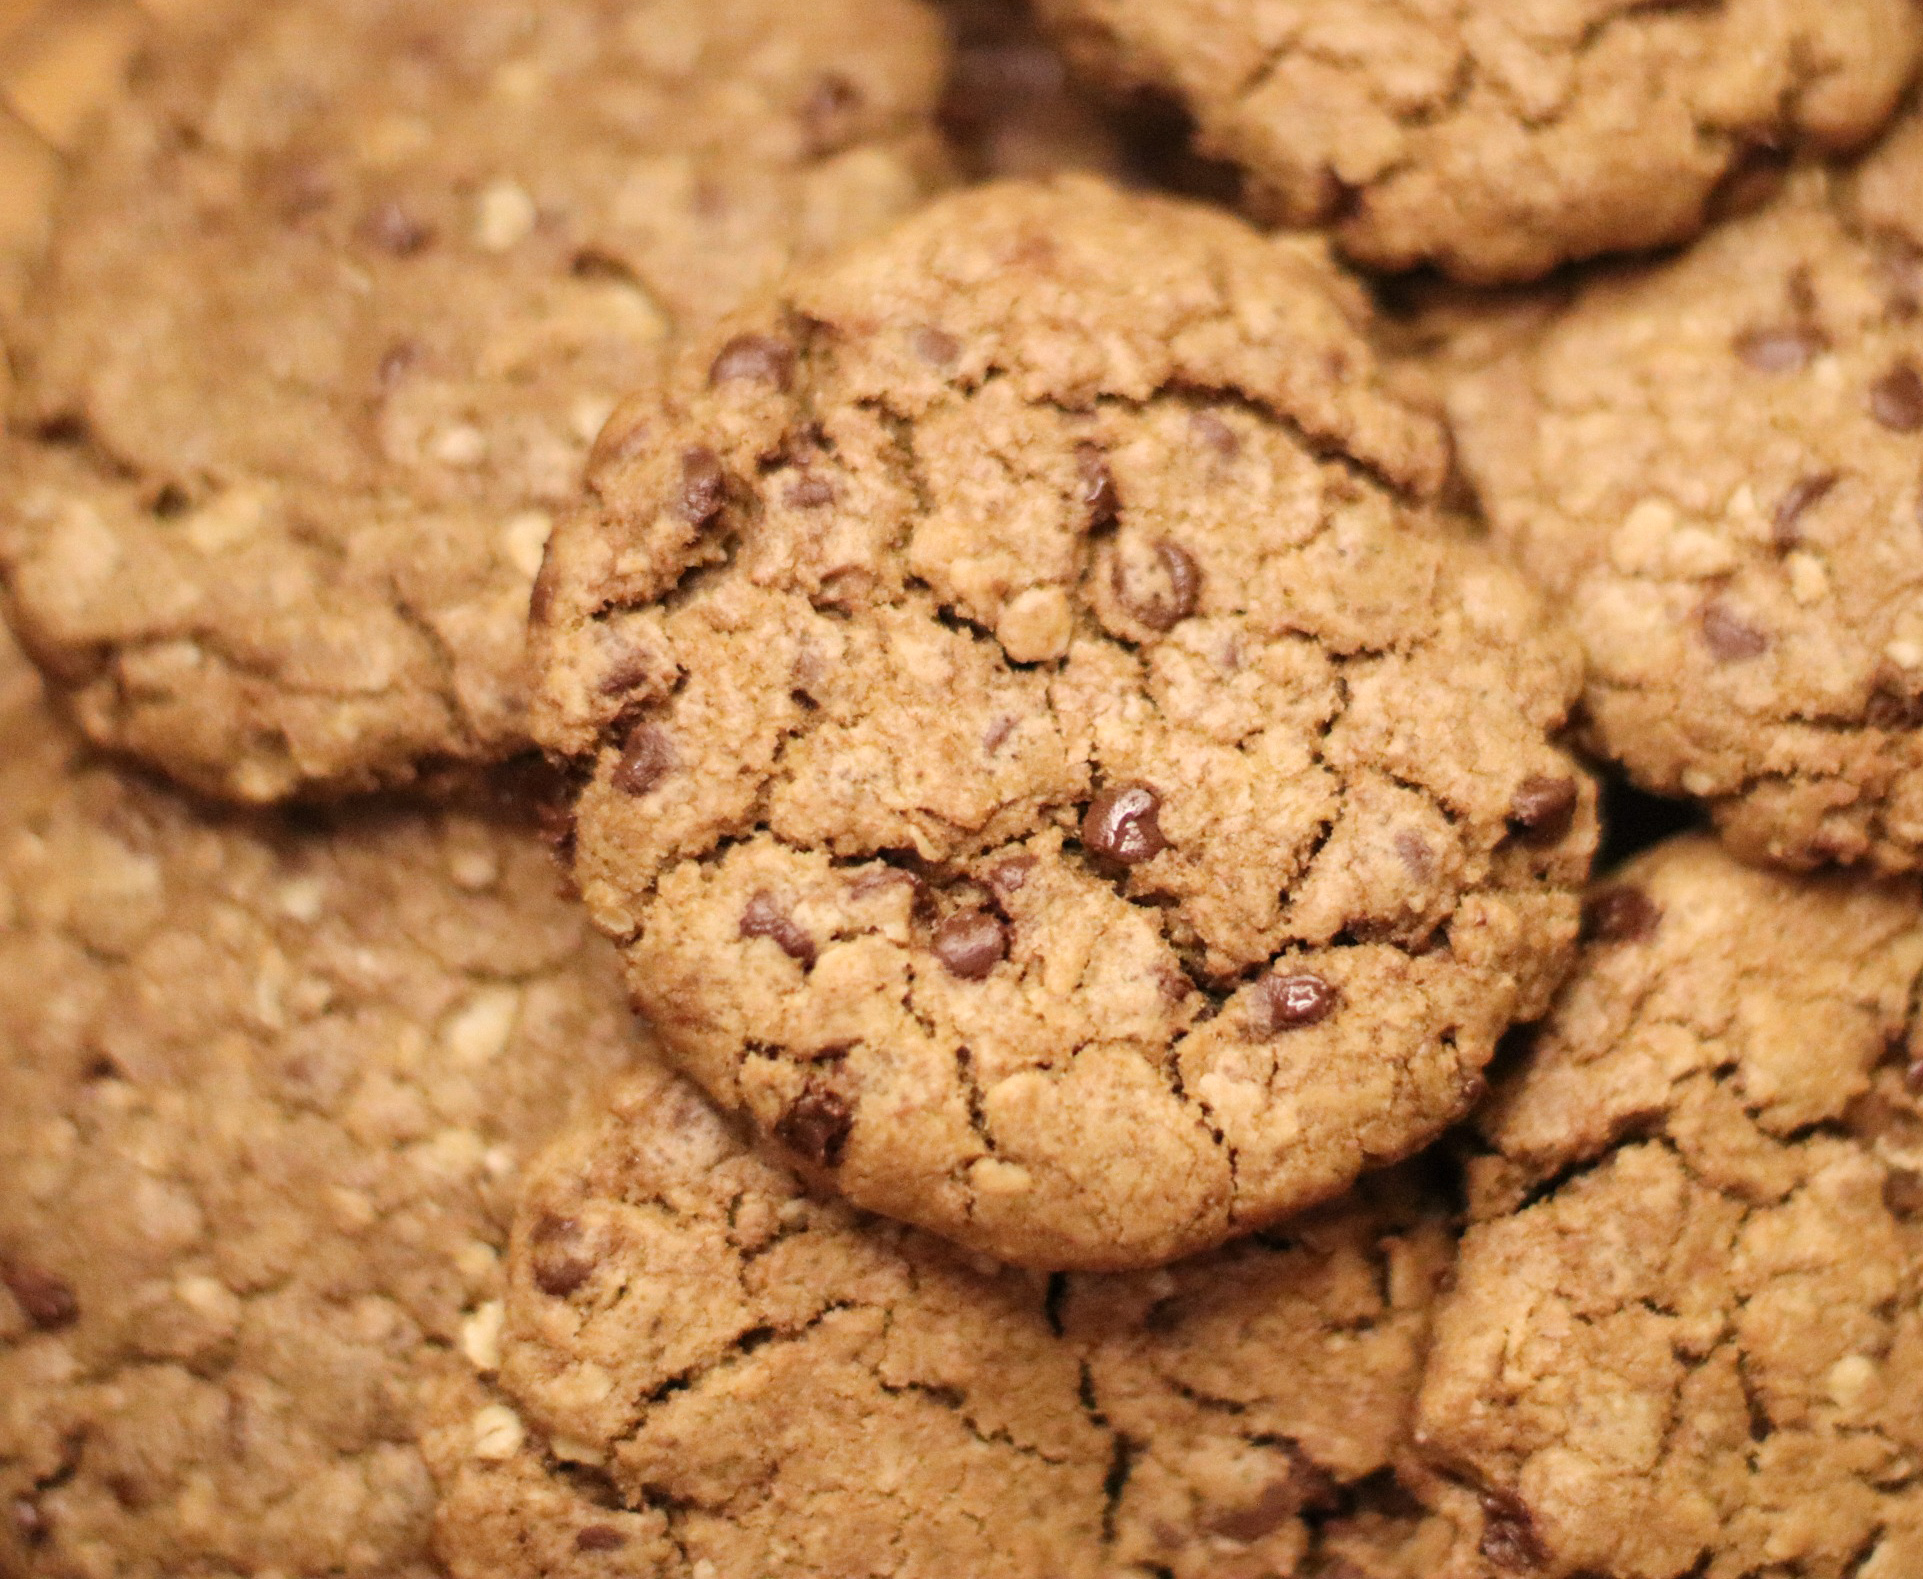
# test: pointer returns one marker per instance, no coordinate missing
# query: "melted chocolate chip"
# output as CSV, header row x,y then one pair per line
x,y
1095,487
1730,637
971,944
764,918
817,1126
1785,349
704,486
1290,1003
1803,497
1896,399
1619,915
936,347
599,1538
1159,610
48,1301
1509,1538
1544,809
395,231
754,359
1122,824
556,1255
811,493
647,759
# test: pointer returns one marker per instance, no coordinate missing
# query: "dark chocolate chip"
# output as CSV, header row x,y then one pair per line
x,y
1544,809
1007,877
599,1538
624,673
1095,486
395,231
1278,1503
559,1262
1786,349
647,759
1802,497
971,944
817,1126
754,359
704,486
1162,610
1730,637
1217,435
1172,983
1619,915
1893,708
811,493
1903,1193
47,1300
936,347
764,918
1122,824
1896,399
1509,1538
1289,1003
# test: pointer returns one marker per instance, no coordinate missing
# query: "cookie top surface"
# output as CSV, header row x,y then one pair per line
x,y
264,1097
704,1369
1715,465
334,311
1040,766
1496,139
1685,1337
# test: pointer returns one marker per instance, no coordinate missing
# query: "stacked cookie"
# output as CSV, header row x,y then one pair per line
x,y
1083,729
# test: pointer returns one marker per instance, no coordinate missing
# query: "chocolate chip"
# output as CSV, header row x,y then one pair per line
x,y
647,758
559,1262
1802,497
1780,350
704,486
998,733
1217,435
1157,609
1415,855
1122,824
971,944
817,1126
395,231
1278,1503
754,359
811,493
764,918
1896,399
1290,1003
1893,708
49,1302
1544,809
1509,1538
1619,915
29,1523
936,347
1095,486
1172,983
1007,877
1903,1193
599,1538
1730,637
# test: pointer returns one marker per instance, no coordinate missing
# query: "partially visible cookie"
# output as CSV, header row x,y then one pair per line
x,y
1496,139
1046,768
1716,466
705,1370
265,1092
1687,1335
334,310
1010,109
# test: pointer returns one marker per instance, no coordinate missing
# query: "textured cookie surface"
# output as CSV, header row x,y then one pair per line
x,y
1041,767
1716,466
1687,1335
704,1370
264,1097
1498,138
336,308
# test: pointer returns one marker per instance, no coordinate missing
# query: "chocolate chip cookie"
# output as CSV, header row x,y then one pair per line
x,y
704,1370
1010,108
265,1091
1687,1335
1495,139
1044,764
1714,466
338,304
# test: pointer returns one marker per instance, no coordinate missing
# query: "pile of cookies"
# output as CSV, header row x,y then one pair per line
x,y
894,790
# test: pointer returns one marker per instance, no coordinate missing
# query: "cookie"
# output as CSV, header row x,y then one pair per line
x,y
1043,765
1713,466
1495,139
706,1370
337,305
265,1091
1686,1335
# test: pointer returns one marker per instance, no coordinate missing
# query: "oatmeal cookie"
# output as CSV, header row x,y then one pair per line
x,y
1042,762
334,310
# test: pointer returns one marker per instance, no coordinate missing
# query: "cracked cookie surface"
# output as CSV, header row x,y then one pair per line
x,y
334,310
1714,466
1496,139
1041,765
265,1093
706,1370
1686,1332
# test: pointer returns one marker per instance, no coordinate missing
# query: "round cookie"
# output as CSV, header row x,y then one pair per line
x,y
334,311
1495,139
1714,467
1043,766
264,1095
705,1370
1686,1336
